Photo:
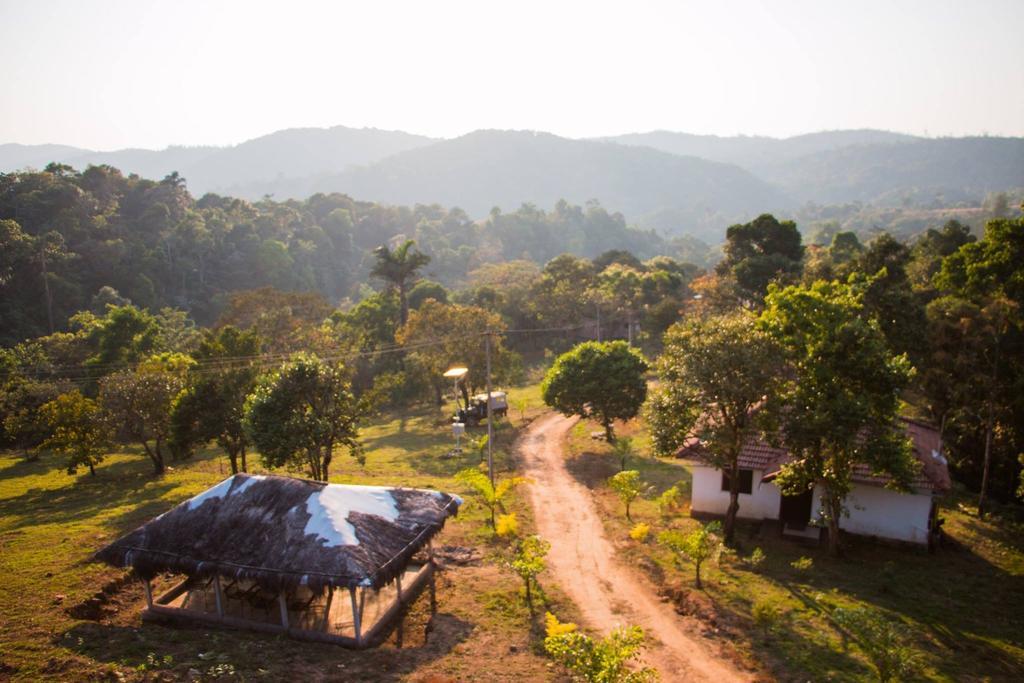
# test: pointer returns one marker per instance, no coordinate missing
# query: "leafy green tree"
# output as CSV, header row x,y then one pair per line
x,y
79,430
627,486
139,401
124,335
714,373
762,251
491,497
213,405
300,413
528,562
399,268
440,336
885,643
839,397
698,546
21,425
427,289
602,661
555,295
599,380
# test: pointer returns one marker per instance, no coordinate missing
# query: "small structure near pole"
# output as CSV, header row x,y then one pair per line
x,y
268,553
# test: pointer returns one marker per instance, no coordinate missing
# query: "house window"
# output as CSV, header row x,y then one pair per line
x,y
746,481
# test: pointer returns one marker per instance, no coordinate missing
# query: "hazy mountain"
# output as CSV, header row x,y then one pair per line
x,y
297,152
14,156
754,151
953,169
492,168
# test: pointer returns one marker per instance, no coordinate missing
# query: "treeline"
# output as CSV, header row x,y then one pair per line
x,y
67,238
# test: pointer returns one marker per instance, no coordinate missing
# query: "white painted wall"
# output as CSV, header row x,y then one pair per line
x,y
873,511
708,496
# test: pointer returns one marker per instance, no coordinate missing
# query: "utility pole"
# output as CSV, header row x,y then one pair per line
x,y
490,429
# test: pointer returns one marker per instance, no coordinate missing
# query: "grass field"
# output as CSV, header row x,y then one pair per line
x,y
964,603
50,524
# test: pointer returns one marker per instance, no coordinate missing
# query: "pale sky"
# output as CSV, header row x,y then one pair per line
x,y
112,74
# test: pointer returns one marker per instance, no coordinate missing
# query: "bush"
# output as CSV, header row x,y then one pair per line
x,y
628,487
506,525
802,564
670,500
756,559
885,643
602,661
640,532
529,562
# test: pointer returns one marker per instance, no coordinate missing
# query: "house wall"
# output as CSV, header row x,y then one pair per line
x,y
873,511
708,497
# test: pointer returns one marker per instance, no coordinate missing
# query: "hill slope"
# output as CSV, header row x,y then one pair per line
x,y
491,168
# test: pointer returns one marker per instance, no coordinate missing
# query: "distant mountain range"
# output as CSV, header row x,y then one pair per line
x,y
675,182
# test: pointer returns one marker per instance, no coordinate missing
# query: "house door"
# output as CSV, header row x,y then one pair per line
x,y
795,511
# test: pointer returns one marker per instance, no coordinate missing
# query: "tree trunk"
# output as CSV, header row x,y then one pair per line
x,y
529,596
985,467
325,467
92,470
233,458
245,467
734,502
156,457
627,510
403,303
699,584
834,507
609,434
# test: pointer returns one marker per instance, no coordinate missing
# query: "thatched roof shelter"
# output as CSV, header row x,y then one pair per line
x,y
281,532
268,553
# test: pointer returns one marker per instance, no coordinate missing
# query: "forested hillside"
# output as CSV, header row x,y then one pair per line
x,y
68,239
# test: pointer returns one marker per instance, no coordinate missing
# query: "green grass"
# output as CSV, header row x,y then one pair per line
x,y
963,603
51,523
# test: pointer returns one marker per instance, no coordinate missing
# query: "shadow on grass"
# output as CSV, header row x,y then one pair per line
x,y
176,650
119,484
962,608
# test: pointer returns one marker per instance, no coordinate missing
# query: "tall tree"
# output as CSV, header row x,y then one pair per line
x,y
300,413
599,380
212,406
714,373
399,268
838,399
762,251
139,402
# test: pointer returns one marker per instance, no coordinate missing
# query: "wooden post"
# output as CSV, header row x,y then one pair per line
x,y
355,614
433,585
217,595
283,604
149,593
327,609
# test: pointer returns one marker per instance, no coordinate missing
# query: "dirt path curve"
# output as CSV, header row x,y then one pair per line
x,y
584,565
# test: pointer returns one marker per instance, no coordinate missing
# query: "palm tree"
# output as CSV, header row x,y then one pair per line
x,y
399,269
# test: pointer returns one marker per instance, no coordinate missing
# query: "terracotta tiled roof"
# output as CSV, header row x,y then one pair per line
x,y
758,454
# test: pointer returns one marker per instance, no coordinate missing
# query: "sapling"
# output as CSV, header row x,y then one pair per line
x,y
491,497
700,545
884,642
528,562
628,487
597,661
623,450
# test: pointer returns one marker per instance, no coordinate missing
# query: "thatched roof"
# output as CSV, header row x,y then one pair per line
x,y
282,532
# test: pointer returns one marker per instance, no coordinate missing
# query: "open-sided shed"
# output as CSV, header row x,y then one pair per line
x,y
271,553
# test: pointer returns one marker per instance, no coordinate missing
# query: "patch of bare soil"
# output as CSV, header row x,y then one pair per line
x,y
583,562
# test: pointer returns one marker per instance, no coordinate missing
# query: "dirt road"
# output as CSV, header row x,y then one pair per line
x,y
583,563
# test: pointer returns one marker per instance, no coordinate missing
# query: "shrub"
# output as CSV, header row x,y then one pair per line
x,y
885,643
802,564
756,558
669,500
640,532
698,546
491,497
506,525
601,661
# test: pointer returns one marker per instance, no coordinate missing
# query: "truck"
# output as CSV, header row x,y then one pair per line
x,y
476,411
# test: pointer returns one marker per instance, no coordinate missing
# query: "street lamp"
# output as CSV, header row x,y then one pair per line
x,y
458,428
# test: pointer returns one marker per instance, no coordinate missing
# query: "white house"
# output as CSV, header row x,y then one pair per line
x,y
873,510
